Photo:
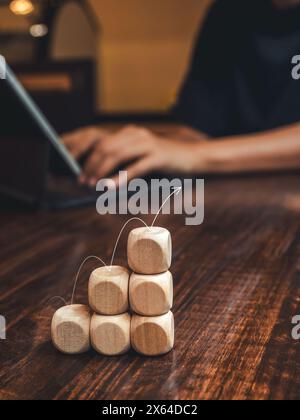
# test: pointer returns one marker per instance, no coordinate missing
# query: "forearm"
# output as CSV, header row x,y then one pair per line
x,y
268,151
180,132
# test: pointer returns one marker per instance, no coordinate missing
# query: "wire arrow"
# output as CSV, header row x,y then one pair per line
x,y
176,191
79,271
120,234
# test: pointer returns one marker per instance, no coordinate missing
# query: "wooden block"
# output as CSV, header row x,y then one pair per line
x,y
108,290
110,335
152,336
70,329
149,250
151,295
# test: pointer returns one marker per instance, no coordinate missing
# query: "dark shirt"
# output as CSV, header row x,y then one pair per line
x,y
240,79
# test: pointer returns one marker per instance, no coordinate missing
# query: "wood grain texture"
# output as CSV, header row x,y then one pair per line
x,y
149,250
110,335
108,290
70,329
152,335
236,284
151,295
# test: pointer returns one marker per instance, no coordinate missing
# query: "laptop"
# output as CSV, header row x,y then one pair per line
x,y
35,167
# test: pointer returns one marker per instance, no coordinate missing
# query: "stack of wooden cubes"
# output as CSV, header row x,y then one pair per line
x,y
151,290
129,310
108,298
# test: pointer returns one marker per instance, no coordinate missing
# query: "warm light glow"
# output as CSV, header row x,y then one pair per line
x,y
38,31
21,7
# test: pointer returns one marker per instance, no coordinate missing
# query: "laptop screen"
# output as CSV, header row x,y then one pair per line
x,y
25,140
15,118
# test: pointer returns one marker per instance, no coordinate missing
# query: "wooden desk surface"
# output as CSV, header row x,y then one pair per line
x,y
236,290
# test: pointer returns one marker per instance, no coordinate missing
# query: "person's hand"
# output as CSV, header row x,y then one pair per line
x,y
80,142
143,151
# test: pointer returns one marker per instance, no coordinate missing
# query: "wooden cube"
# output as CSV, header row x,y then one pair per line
x,y
110,335
108,290
149,250
152,336
151,295
70,329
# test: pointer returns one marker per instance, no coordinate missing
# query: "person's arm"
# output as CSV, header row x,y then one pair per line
x,y
186,151
179,132
145,148
273,150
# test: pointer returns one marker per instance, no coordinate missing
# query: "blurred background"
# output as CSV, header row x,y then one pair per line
x,y
98,60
